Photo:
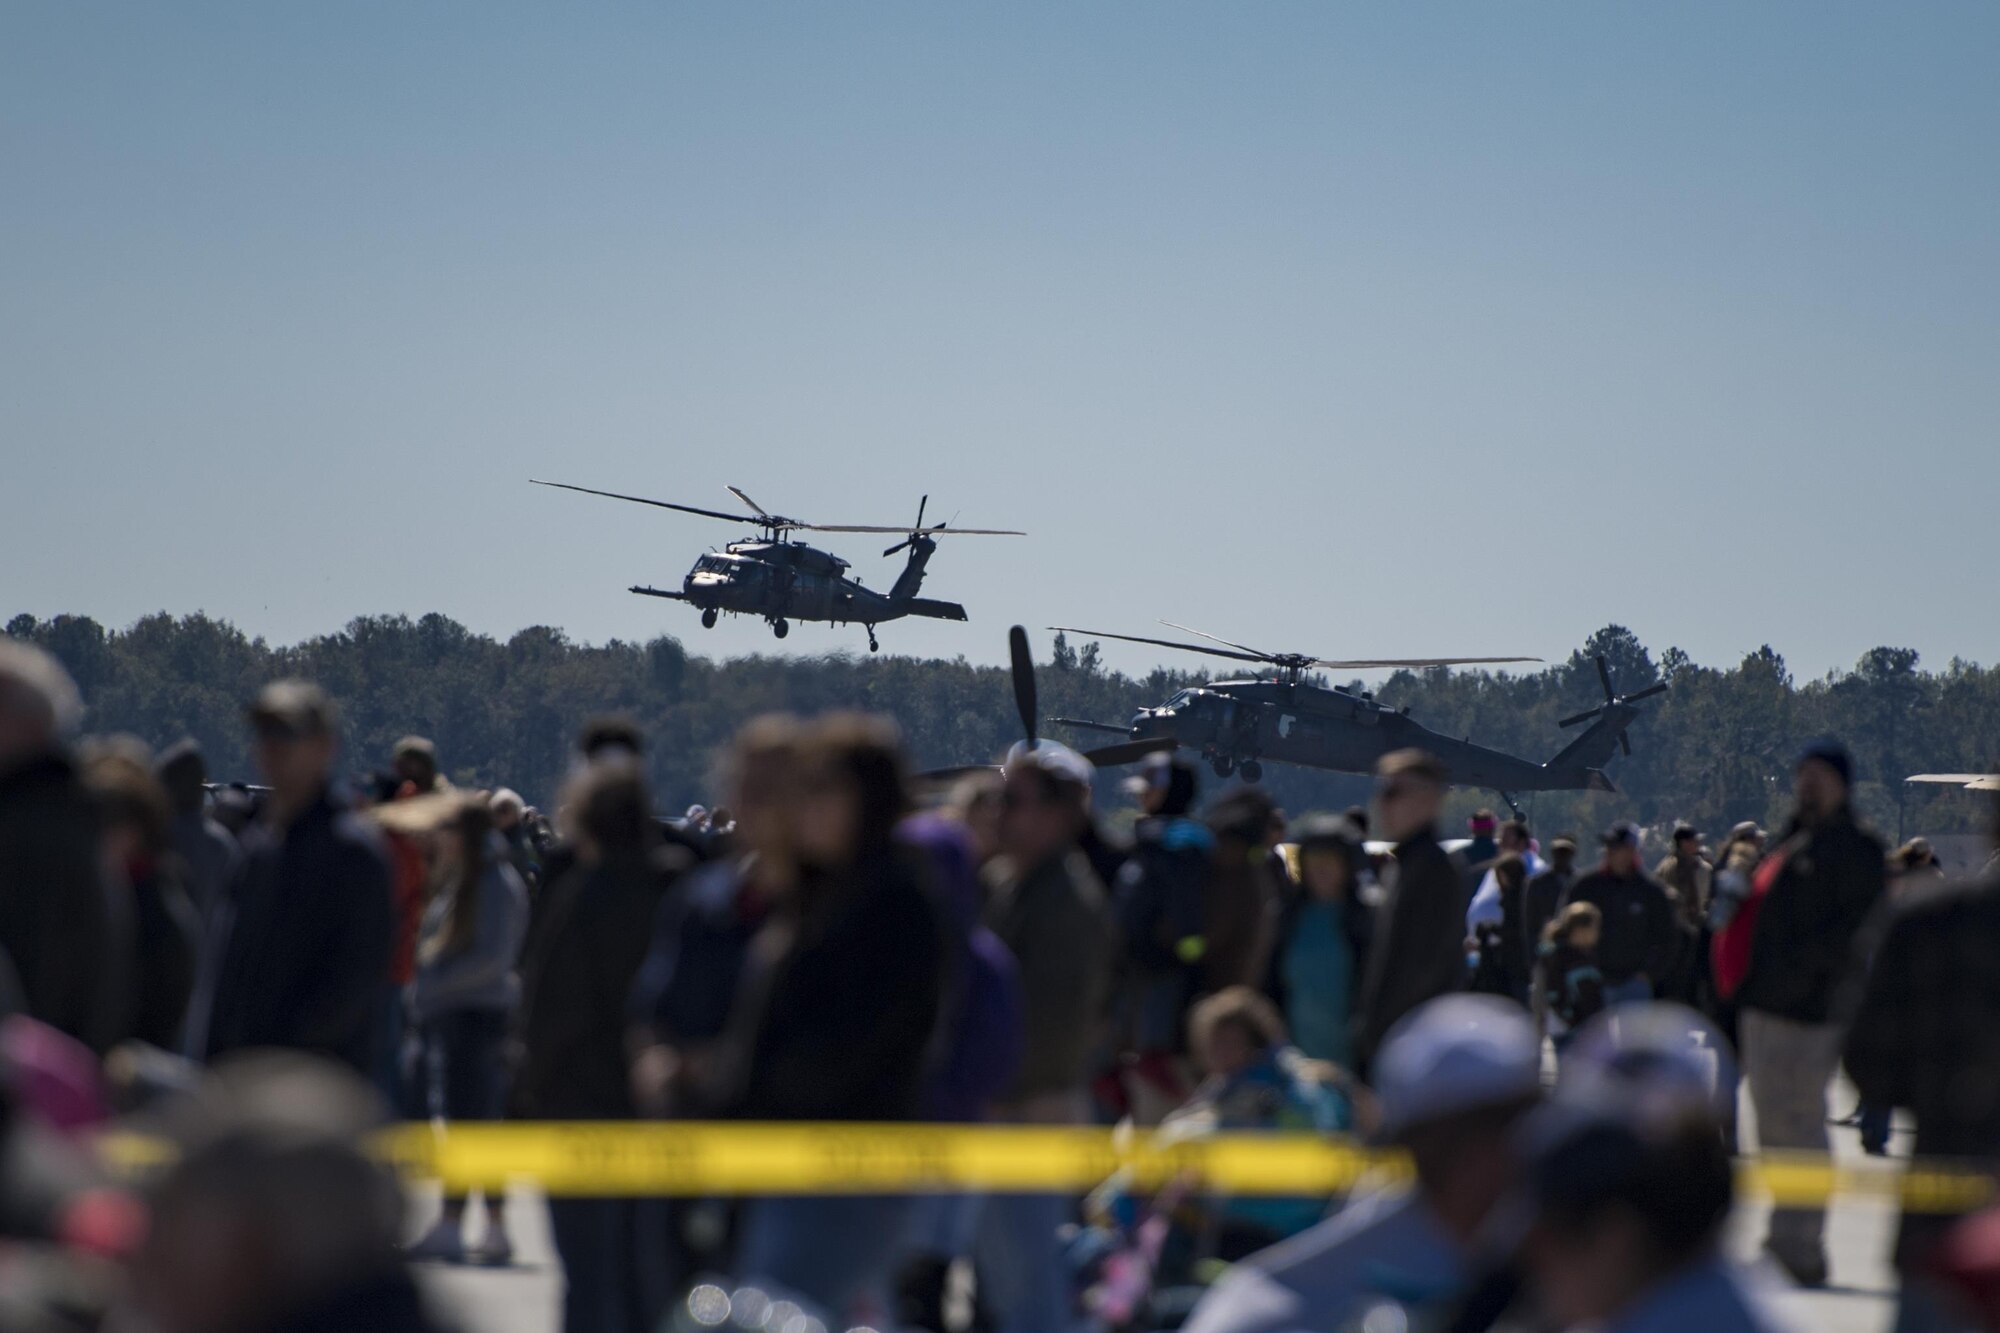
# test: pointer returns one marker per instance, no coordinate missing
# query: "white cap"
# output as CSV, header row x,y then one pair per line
x,y
1457,1053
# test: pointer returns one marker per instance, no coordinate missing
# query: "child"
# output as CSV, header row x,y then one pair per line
x,y
1568,982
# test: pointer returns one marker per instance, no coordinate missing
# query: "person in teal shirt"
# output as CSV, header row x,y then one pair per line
x,y
1323,940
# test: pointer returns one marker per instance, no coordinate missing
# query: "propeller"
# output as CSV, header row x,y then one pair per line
x,y
1292,664
911,539
777,523
1613,699
1024,682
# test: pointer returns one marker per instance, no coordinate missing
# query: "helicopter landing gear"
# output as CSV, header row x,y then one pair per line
x,y
1223,765
781,628
708,618
873,646
1250,770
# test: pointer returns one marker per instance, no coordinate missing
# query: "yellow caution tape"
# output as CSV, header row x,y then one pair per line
x,y
610,1158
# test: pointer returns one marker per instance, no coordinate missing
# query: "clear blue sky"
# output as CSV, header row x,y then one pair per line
x,y
1358,329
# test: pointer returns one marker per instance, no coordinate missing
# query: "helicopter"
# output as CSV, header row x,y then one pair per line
x,y
784,580
1239,724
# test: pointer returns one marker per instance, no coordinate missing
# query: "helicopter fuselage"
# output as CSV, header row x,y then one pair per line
x,y
1246,722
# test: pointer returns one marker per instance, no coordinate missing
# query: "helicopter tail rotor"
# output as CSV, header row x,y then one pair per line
x,y
1613,699
911,539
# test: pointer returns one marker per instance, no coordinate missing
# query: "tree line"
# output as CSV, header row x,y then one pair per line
x,y
1715,749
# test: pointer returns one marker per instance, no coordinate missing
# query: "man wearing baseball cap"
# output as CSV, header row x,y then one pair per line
x,y
1453,1079
306,962
1640,940
1815,889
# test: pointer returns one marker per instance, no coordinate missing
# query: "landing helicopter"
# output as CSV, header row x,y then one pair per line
x,y
783,580
1238,724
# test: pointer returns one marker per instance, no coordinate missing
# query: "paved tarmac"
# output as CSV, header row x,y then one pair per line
x,y
526,1298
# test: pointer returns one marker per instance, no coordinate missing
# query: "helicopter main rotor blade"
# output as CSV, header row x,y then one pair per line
x,y
1365,663
1109,756
908,532
1091,726
1239,647
1023,662
1161,643
738,493
642,500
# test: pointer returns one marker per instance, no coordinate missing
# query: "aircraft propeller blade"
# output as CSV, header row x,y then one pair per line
x,y
642,500
1661,688
1604,674
1625,742
1024,681
1584,716
1162,643
1110,756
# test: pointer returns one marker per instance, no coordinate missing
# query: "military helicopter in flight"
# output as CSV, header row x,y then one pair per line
x,y
1239,724
784,580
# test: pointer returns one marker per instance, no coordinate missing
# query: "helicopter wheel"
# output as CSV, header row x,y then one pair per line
x,y
708,618
1251,770
1223,765
873,646
780,628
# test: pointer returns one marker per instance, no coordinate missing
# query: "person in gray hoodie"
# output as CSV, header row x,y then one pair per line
x,y
463,998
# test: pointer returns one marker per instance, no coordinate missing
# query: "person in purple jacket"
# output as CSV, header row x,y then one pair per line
x,y
974,1057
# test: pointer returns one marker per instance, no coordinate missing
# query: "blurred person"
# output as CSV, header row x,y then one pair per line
x,y
1453,1080
1688,874
1544,894
1482,843
838,1013
206,849
1914,867
1161,900
1324,933
1240,903
1735,863
310,925
1809,898
1628,1188
1640,940
694,965
974,1057
414,762
1515,840
584,945
1569,987
462,1001
975,803
1254,1079
66,927
271,1219
136,845
510,821
1924,1039
1419,948
1049,910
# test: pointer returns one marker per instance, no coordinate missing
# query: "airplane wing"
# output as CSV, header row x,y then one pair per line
x,y
1969,781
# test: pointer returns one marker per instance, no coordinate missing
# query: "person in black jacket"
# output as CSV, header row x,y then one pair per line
x,y
1640,939
1544,894
309,925
1926,1039
1419,948
584,946
138,851
839,1002
1818,884
65,925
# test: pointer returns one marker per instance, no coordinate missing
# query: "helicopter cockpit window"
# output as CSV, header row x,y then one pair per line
x,y
1181,699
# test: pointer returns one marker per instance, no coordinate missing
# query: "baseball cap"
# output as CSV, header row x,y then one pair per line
x,y
1683,829
415,745
296,708
1749,828
1622,834
1458,1053
1833,754
1563,843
